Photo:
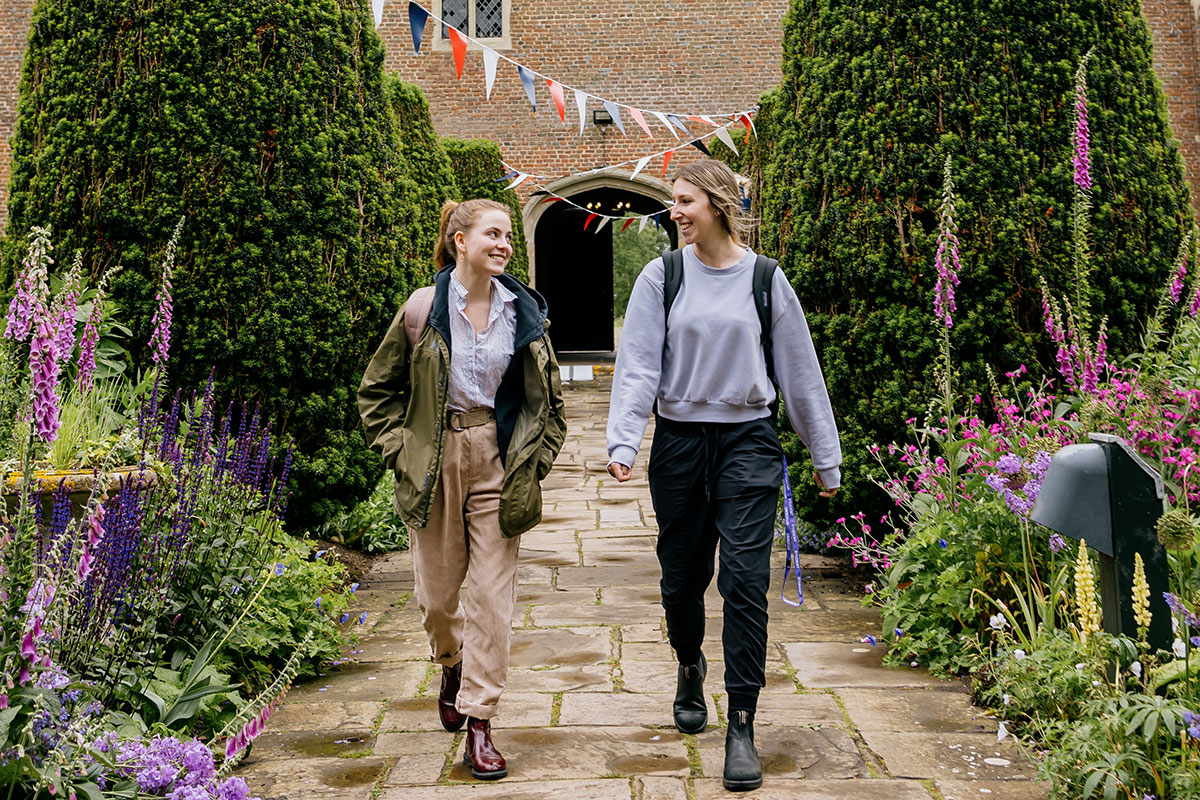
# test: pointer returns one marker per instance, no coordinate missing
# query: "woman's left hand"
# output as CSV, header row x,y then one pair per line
x,y
824,492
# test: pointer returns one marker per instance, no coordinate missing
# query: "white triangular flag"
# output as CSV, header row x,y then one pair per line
x,y
377,8
520,179
642,223
663,119
490,59
581,101
641,165
723,135
603,221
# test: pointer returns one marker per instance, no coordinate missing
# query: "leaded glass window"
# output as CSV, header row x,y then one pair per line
x,y
454,12
480,19
489,19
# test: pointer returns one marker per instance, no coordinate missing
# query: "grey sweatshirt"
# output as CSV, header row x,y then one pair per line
x,y
710,368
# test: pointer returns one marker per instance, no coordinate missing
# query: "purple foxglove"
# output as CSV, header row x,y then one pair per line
x,y
1176,290
28,305
28,650
44,368
1195,307
160,340
945,259
66,303
1082,160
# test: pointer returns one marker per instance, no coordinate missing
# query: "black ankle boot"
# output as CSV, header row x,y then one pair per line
x,y
691,713
742,770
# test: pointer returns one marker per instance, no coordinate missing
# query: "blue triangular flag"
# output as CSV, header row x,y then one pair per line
x,y
527,79
611,108
677,122
416,18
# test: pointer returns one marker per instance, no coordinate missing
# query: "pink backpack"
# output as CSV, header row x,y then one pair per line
x,y
416,314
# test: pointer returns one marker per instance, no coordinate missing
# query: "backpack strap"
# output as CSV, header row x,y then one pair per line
x,y
416,314
672,279
764,275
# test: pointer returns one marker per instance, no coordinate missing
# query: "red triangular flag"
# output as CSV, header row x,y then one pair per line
x,y
628,222
459,45
556,91
666,160
591,217
550,200
746,121
636,113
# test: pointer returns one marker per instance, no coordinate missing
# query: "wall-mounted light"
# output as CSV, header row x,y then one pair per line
x,y
601,117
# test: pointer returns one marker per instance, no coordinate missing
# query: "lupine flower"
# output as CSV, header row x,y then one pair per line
x,y
1085,594
160,340
1082,160
1141,596
945,259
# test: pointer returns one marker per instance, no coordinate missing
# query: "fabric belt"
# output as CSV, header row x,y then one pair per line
x,y
461,420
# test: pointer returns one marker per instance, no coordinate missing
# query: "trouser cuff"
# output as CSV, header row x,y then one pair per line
x,y
448,661
743,701
476,710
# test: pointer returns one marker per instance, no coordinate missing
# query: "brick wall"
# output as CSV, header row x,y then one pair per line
x,y
678,55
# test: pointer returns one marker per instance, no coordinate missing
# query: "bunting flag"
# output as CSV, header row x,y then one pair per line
x,y
459,45
641,165
520,179
611,108
636,113
628,222
416,19
745,120
530,91
678,122
604,220
377,10
581,101
642,223
663,119
591,216
556,92
699,145
666,160
490,59
726,139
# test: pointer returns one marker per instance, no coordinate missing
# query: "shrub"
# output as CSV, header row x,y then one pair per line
x,y
266,127
478,173
875,97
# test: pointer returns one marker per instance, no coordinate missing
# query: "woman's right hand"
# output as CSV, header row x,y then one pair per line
x,y
619,471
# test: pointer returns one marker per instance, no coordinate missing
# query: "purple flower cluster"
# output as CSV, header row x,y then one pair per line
x,y
1082,160
945,260
1019,481
1176,290
160,340
1181,611
1192,720
167,767
29,303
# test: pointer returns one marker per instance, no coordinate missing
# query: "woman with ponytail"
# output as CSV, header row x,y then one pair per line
x,y
463,401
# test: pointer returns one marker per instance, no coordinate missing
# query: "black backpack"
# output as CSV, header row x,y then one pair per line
x,y
764,274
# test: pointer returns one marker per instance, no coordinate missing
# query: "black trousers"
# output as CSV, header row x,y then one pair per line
x,y
717,482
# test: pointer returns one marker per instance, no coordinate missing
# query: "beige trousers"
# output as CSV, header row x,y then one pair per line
x,y
463,541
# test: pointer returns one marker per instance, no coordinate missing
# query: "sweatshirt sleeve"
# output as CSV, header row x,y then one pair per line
x,y
639,365
802,384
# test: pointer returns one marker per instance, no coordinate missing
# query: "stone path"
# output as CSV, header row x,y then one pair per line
x,y
587,712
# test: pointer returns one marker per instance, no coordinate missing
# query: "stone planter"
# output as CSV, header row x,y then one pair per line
x,y
79,484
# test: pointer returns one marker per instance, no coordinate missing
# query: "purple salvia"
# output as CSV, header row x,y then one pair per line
x,y
160,339
29,302
260,461
945,260
1082,137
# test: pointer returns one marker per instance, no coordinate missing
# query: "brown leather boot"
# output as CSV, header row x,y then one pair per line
x,y
481,755
452,720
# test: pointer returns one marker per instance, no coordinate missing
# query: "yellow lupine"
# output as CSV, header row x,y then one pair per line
x,y
1085,594
1141,596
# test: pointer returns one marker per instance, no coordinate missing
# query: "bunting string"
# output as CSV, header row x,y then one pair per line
x,y
592,215
418,15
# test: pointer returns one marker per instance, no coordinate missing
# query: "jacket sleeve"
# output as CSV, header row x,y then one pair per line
x,y
556,421
383,392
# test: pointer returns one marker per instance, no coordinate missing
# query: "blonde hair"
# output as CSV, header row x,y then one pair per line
x,y
718,182
460,217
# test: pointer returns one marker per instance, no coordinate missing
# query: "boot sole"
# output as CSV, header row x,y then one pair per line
x,y
485,776
741,786
454,728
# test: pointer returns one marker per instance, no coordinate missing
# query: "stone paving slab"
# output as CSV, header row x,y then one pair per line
x,y
415,770
647,574
997,790
831,665
660,789
650,677
808,710
711,789
517,709
593,752
909,710
587,678
508,789
561,647
632,596
391,647
790,752
949,755
427,743
364,682
562,614
329,716
340,778
649,710
344,743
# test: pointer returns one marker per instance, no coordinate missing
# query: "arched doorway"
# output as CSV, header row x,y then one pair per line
x,y
573,268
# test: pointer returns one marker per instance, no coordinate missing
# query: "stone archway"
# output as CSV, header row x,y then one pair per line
x,y
573,268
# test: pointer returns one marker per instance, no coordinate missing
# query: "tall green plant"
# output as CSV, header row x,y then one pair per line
x,y
265,125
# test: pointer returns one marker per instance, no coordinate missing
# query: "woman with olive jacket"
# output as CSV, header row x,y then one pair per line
x,y
469,423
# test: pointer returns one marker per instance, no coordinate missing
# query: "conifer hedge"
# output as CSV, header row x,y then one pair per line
x,y
479,173
265,125
875,96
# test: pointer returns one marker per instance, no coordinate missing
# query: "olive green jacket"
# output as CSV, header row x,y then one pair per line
x,y
403,404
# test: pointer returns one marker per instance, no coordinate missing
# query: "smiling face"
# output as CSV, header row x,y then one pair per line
x,y
694,214
486,246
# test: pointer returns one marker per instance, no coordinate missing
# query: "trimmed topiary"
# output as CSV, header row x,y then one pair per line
x,y
479,173
875,97
265,126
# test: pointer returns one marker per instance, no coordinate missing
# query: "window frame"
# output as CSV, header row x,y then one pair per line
x,y
503,42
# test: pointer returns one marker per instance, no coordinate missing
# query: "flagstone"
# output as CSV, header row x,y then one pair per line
x,y
972,789
635,543
561,646
586,752
913,710
631,595
325,715
642,575
538,539
616,533
657,651
364,682
790,752
645,632
437,742
797,710
509,789
588,678
949,755
660,789
340,778
558,614
790,789
319,743
517,709
387,647
651,677
649,710
534,575
549,557
413,770
537,596
620,558
832,665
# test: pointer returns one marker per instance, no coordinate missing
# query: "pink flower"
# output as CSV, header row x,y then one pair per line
x,y
1083,158
44,367
945,259
160,340
28,651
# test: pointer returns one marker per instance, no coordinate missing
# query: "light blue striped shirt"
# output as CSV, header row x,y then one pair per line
x,y
478,360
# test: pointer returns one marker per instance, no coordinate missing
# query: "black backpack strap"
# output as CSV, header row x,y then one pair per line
x,y
672,280
764,275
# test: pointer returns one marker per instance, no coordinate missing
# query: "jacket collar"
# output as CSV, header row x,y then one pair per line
x,y
531,308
